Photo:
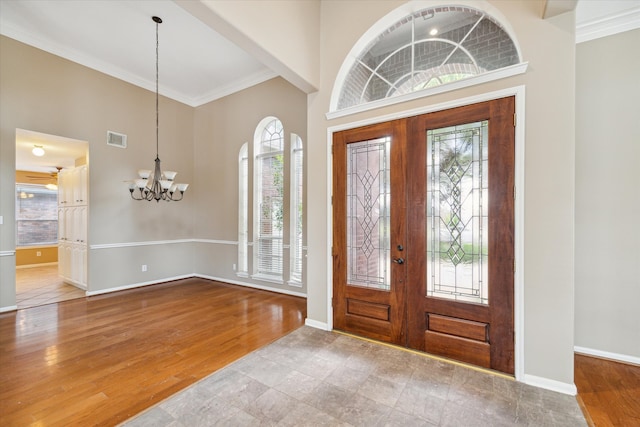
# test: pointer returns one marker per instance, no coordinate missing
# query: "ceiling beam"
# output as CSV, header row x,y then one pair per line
x,y
558,7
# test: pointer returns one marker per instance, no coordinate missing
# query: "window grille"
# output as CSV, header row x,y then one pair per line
x,y
428,48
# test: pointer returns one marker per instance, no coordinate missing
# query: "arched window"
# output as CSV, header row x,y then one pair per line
x,y
268,216
426,49
243,209
295,274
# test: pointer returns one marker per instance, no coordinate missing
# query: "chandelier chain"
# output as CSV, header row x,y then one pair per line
x,y
157,88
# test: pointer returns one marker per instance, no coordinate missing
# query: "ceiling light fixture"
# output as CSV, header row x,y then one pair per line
x,y
38,150
156,185
433,32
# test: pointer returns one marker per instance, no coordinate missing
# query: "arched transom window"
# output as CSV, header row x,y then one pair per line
x,y
426,49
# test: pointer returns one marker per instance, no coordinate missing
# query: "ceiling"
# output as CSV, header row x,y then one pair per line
x,y
197,65
58,151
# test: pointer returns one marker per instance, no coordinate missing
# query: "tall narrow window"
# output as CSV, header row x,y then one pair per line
x,y
243,209
296,209
268,193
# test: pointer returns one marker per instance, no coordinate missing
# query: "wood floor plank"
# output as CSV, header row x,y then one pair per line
x,y
609,390
100,360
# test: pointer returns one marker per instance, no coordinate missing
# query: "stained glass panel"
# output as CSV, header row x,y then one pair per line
x,y
457,213
368,213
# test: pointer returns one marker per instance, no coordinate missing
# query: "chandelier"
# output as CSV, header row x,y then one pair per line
x,y
157,185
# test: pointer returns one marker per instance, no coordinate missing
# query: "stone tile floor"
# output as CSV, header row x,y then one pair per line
x,y
317,378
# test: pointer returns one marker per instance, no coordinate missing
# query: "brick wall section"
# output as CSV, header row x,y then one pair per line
x,y
37,219
488,44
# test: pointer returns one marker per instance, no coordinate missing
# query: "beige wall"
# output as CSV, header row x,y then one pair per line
x,y
45,93
58,97
608,195
548,46
221,127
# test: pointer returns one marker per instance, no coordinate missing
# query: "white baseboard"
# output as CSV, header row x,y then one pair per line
x,y
42,264
252,285
607,355
136,285
315,324
553,385
201,276
8,308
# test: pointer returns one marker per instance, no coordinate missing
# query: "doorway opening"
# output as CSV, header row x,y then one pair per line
x,y
46,167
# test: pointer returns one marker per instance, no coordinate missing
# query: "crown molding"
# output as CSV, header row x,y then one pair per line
x,y
72,55
608,25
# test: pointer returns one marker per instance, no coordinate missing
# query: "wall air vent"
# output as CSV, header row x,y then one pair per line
x,y
116,139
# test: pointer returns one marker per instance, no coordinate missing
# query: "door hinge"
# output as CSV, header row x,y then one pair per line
x,y
514,265
514,120
514,191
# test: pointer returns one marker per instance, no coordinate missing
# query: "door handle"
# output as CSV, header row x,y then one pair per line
x,y
398,260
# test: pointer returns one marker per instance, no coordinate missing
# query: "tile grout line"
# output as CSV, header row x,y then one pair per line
x,y
429,356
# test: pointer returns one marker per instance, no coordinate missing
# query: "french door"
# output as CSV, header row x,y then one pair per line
x,y
423,215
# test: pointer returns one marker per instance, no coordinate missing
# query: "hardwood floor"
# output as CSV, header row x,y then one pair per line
x,y
42,285
100,360
609,391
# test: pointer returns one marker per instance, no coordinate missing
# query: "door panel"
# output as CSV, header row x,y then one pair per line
x,y
461,233
369,291
423,232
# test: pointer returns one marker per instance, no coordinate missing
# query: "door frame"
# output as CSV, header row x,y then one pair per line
x,y
519,93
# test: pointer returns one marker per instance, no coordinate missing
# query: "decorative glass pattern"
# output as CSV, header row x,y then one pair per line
x,y
457,212
368,213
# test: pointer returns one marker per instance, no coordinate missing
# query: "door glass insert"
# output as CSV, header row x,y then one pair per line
x,y
368,213
457,212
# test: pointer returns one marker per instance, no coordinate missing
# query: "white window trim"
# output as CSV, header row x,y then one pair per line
x,y
292,207
489,76
243,155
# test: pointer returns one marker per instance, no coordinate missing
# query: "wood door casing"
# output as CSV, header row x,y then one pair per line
x,y
474,333
375,313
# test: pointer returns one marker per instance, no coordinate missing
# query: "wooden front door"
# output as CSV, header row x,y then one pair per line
x,y
369,293
423,212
